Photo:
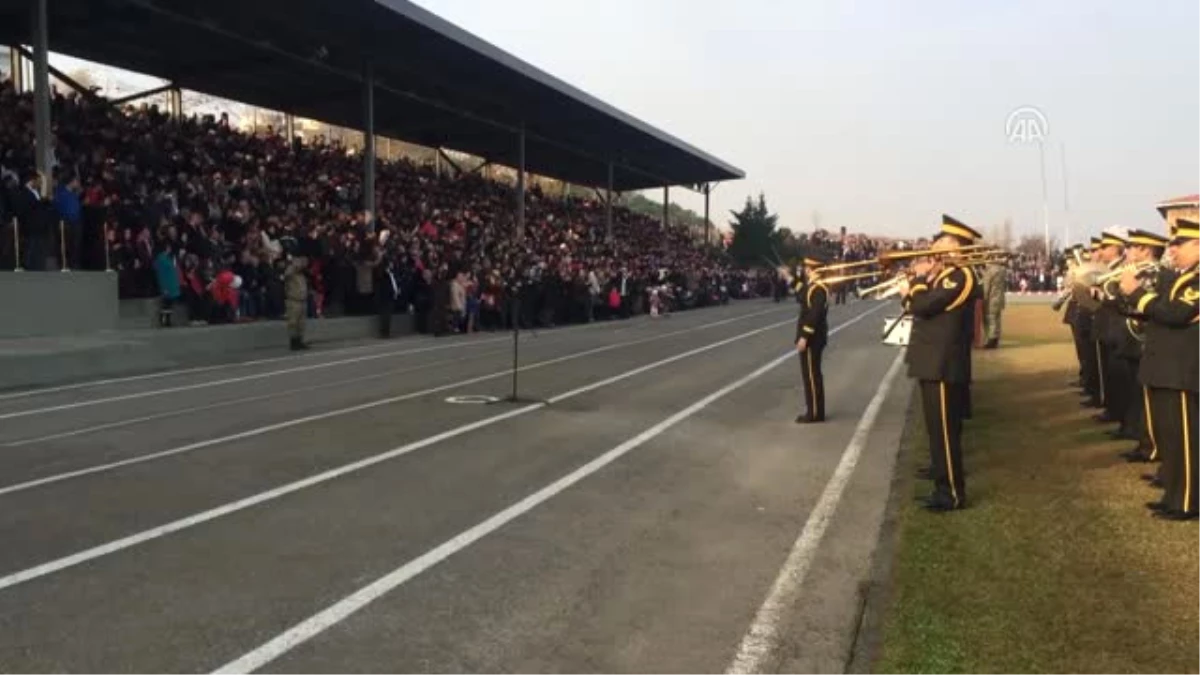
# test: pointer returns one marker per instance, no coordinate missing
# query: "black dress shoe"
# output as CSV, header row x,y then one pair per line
x,y
1176,515
805,419
1156,506
1157,482
943,505
1149,477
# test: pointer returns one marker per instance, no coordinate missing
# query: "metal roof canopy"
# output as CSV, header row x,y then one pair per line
x,y
435,84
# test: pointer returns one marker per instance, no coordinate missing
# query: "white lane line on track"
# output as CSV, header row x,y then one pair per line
x,y
340,610
258,431
248,399
123,543
229,380
762,638
255,376
40,391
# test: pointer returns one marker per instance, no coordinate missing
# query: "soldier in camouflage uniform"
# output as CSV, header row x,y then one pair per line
x,y
295,293
995,283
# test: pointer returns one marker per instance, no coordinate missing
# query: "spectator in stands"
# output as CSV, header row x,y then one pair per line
x,y
167,276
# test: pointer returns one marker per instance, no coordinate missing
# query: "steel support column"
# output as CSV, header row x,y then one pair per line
x,y
41,86
521,185
289,127
369,145
16,66
707,224
666,219
175,102
608,197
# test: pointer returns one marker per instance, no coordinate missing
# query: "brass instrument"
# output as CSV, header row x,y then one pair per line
x,y
973,249
1140,268
884,289
846,265
830,281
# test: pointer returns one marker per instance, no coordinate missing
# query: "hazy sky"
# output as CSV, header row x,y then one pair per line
x,y
882,115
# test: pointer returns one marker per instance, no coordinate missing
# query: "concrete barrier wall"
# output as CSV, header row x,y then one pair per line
x,y
57,303
46,361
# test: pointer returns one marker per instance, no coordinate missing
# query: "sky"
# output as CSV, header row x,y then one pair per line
x,y
881,115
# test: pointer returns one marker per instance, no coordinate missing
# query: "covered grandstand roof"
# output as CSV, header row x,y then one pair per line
x,y
436,84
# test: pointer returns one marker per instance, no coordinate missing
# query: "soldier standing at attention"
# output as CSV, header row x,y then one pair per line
x,y
1170,368
995,284
812,333
295,293
1144,247
937,298
1108,327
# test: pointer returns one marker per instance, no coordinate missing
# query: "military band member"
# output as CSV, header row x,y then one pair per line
x,y
812,334
1071,315
936,297
1105,323
1093,380
1142,248
1169,369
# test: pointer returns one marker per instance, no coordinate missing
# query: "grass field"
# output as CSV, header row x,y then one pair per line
x,y
1056,566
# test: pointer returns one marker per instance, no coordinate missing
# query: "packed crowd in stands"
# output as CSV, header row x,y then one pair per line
x,y
207,215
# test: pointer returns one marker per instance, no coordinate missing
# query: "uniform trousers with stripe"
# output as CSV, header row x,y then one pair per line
x,y
1174,417
1146,430
814,382
944,422
1099,367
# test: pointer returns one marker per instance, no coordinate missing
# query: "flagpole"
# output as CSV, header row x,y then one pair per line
x,y
1045,199
1066,198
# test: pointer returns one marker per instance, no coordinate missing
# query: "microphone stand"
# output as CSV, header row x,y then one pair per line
x,y
514,396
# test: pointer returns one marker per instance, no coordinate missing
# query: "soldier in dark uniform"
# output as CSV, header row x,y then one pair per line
x,y
967,237
1143,247
937,297
1092,381
1105,324
1170,368
812,334
1072,317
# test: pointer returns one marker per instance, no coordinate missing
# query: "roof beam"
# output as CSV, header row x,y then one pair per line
x,y
380,84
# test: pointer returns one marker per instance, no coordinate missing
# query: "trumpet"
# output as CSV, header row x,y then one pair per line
x,y
1139,269
883,289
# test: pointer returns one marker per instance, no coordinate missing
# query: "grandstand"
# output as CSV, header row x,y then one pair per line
x,y
353,68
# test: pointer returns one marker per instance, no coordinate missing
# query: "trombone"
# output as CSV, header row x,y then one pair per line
x,y
981,255
973,249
